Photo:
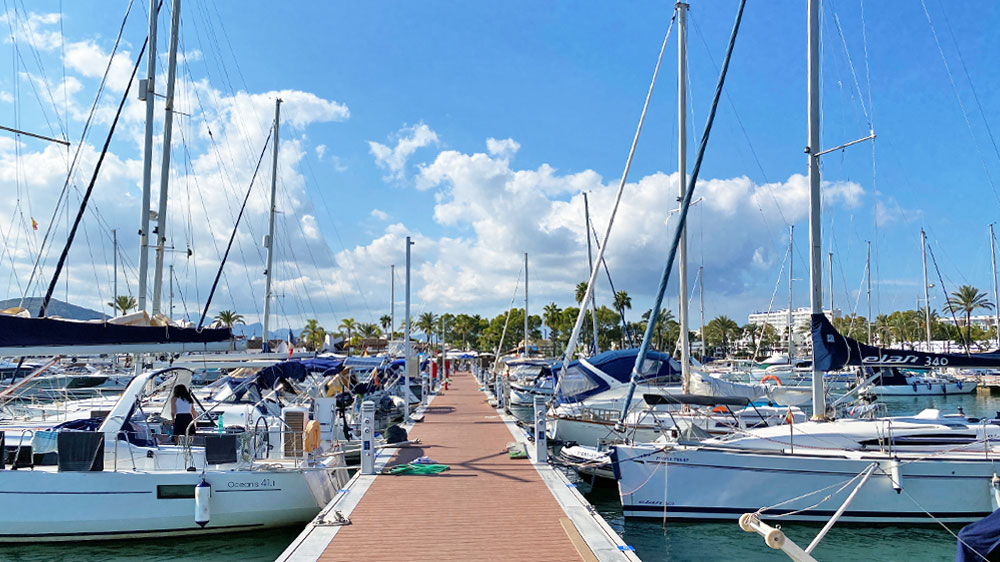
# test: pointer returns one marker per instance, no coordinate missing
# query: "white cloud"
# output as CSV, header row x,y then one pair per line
x,y
6,97
408,140
320,151
504,149
380,215
889,211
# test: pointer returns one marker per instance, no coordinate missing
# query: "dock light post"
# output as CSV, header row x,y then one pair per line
x,y
367,437
541,443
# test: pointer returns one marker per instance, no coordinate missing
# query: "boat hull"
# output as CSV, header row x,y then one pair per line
x,y
44,505
702,483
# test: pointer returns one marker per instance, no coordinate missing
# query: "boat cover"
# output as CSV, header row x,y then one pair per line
x,y
981,537
16,331
833,351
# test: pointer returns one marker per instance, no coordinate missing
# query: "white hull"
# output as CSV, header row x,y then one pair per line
x,y
704,483
924,389
44,505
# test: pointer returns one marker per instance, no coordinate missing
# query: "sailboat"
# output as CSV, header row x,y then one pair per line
x,y
916,469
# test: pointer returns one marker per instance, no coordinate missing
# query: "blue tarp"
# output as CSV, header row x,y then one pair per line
x,y
30,332
982,537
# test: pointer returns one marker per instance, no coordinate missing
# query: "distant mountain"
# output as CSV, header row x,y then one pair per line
x,y
256,329
56,308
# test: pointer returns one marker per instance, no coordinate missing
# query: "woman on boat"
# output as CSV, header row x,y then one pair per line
x,y
182,405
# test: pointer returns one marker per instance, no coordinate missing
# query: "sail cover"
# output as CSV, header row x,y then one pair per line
x,y
16,331
832,351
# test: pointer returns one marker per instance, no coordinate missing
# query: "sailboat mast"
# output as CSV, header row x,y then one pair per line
x,y
269,241
525,304
868,271
392,299
168,127
996,300
927,302
701,298
815,249
791,260
682,305
146,92
590,259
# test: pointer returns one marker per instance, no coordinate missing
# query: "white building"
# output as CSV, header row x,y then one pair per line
x,y
800,323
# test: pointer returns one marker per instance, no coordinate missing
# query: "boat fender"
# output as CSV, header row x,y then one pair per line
x,y
995,483
202,503
944,388
895,474
930,386
914,387
959,384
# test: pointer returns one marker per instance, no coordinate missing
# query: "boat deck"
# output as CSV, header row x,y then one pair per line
x,y
486,507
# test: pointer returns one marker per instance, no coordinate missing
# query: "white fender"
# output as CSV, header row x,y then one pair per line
x,y
202,503
896,475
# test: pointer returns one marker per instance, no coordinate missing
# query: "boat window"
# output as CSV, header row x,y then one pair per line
x,y
576,381
175,491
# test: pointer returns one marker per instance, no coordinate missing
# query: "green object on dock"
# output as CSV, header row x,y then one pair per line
x,y
517,450
418,469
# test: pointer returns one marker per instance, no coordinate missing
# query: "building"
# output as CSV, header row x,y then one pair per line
x,y
800,323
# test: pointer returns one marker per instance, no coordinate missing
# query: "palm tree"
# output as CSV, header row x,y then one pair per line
x,y
623,301
348,325
368,331
581,291
967,299
725,327
426,323
312,335
550,313
229,318
386,322
123,303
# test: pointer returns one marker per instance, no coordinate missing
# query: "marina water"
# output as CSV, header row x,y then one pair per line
x,y
653,541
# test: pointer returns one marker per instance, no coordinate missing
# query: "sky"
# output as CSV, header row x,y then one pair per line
x,y
475,129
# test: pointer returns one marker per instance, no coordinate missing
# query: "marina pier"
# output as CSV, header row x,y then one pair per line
x,y
487,506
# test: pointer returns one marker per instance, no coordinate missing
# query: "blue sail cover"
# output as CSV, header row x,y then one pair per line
x,y
832,351
16,331
979,538
581,383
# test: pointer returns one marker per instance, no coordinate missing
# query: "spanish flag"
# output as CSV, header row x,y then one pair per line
x,y
34,224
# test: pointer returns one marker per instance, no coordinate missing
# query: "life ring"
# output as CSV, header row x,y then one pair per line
x,y
776,380
721,409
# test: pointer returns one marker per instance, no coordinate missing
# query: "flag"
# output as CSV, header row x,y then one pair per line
x,y
789,418
34,224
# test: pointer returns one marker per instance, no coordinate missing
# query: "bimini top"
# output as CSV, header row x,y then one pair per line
x,y
587,377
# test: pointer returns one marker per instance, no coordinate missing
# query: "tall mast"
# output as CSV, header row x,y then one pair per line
x,y
269,241
168,126
682,281
170,311
406,339
525,305
868,270
114,244
996,300
815,235
927,302
392,300
791,259
701,298
590,258
146,93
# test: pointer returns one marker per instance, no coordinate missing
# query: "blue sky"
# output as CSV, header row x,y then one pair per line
x,y
474,128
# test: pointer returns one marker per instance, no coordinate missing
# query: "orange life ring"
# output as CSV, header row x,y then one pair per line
x,y
776,380
721,409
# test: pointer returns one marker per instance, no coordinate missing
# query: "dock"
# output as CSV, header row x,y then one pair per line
x,y
487,506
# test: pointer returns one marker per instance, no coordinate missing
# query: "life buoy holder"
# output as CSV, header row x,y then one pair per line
x,y
776,380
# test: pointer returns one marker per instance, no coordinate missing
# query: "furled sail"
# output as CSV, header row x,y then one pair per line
x,y
40,335
832,351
